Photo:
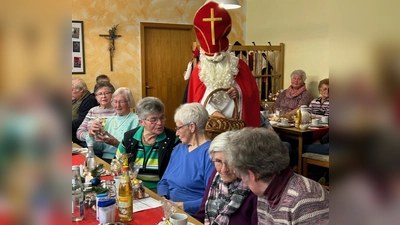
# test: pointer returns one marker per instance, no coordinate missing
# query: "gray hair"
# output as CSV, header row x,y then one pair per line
x,y
104,84
149,105
259,150
192,112
79,84
301,73
219,143
126,92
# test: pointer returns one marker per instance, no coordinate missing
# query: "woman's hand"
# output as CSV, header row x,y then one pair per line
x,y
179,205
232,93
95,128
107,138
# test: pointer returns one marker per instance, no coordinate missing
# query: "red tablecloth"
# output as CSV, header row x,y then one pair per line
x,y
150,216
319,132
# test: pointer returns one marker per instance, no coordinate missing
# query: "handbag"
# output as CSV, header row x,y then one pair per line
x,y
216,125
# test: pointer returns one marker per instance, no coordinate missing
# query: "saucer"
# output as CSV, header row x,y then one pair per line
x,y
284,125
317,126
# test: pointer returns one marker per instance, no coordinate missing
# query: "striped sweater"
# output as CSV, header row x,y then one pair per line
x,y
94,112
303,201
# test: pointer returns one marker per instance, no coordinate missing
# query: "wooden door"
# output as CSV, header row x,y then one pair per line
x,y
166,50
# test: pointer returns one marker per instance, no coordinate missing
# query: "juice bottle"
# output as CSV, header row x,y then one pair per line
x,y
125,197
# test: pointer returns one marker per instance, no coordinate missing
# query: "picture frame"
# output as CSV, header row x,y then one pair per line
x,y
78,49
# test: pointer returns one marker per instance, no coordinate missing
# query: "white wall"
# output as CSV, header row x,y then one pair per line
x,y
302,25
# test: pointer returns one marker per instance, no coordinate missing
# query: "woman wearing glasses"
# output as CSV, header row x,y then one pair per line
x,y
185,180
103,92
227,200
107,137
151,144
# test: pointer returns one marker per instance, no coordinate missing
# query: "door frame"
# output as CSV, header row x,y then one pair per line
x,y
143,26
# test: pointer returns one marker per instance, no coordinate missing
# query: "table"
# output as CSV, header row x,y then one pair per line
x,y
150,216
301,136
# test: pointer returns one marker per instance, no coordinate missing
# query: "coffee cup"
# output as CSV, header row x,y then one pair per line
x,y
315,122
325,119
284,121
178,219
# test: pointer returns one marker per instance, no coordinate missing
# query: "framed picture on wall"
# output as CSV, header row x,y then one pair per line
x,y
78,53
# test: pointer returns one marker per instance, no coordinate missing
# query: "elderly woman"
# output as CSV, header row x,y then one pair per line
x,y
151,144
261,160
185,179
107,141
82,102
294,96
227,200
320,105
103,93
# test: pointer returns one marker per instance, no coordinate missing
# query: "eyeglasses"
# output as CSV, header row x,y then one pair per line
x,y
218,163
154,120
178,128
120,102
101,93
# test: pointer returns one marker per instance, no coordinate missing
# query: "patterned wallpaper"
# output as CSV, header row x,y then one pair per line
x,y
100,15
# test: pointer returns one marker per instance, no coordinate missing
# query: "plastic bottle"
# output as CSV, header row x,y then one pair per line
x,y
125,197
297,122
90,161
98,198
78,210
106,211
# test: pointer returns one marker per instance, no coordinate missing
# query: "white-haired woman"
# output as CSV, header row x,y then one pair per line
x,y
185,180
106,143
294,96
227,200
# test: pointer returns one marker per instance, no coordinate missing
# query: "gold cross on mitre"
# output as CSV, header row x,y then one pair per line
x,y
212,19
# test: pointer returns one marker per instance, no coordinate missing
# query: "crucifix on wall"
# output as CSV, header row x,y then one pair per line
x,y
111,36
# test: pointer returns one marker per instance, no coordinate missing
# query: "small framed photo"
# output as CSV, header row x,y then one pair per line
x,y
78,53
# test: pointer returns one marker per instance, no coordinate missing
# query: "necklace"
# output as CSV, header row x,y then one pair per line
x,y
148,142
116,126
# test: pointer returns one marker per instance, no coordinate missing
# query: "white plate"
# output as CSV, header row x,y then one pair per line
x,y
189,223
284,125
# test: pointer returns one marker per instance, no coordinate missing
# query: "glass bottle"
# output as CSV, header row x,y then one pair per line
x,y
77,195
270,97
125,196
90,161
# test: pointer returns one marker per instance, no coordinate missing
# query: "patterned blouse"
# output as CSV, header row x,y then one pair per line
x,y
286,104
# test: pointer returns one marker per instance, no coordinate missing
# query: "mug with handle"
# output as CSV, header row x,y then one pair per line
x,y
178,219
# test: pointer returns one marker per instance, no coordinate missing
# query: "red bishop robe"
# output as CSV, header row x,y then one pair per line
x,y
248,86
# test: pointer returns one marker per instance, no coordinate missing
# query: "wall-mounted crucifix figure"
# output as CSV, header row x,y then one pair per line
x,y
111,36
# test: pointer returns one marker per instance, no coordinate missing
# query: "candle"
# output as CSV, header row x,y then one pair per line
x,y
88,178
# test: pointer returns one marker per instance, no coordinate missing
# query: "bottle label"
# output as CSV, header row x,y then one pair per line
x,y
125,207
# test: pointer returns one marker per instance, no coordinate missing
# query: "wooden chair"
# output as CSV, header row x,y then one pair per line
x,y
314,159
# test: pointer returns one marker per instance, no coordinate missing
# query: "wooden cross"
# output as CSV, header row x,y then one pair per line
x,y
111,36
212,19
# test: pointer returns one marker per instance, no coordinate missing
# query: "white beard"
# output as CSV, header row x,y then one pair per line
x,y
218,71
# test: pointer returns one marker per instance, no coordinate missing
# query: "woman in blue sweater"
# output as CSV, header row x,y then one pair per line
x,y
185,180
